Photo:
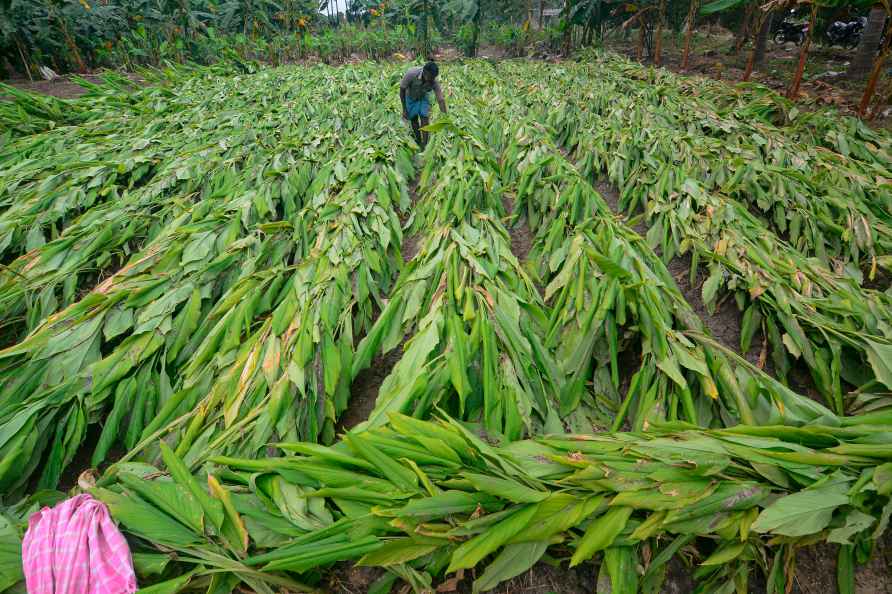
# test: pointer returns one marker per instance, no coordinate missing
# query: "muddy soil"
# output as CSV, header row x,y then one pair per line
x,y
60,87
816,570
815,574
81,461
364,391
540,579
521,235
411,245
63,87
345,578
521,240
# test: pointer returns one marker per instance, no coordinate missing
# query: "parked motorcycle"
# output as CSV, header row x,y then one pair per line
x,y
790,31
846,34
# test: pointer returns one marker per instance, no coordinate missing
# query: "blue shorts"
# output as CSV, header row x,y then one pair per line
x,y
420,108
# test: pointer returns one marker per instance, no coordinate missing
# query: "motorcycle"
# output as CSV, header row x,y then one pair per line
x,y
790,31
848,34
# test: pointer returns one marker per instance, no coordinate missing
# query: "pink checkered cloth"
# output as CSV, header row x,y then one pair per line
x,y
75,548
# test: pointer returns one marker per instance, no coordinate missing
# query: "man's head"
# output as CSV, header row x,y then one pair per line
x,y
430,71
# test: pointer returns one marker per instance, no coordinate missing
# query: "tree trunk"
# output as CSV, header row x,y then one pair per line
x,y
640,50
803,53
600,31
692,17
568,39
184,7
870,41
743,32
760,17
69,41
762,40
658,43
478,17
541,13
424,32
877,69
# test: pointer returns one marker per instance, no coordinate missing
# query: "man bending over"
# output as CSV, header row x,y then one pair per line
x,y
415,91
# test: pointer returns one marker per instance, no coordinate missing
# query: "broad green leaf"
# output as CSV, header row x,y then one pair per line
x,y
719,6
505,488
620,567
726,553
512,561
711,287
393,552
149,564
856,522
803,513
146,520
169,497
447,503
213,509
10,554
470,553
233,528
172,586
601,533
880,358
882,479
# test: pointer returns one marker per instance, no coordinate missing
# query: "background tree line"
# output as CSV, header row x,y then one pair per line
x,y
80,35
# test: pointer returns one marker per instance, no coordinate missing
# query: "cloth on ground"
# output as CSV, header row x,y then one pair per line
x,y
75,548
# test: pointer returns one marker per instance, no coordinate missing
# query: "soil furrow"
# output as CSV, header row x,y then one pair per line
x,y
364,390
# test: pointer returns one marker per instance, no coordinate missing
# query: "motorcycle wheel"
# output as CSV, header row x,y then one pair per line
x,y
779,38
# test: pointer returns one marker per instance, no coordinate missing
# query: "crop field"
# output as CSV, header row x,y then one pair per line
x,y
195,275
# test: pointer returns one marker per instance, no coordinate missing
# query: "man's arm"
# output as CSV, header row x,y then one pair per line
x,y
403,102
439,93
